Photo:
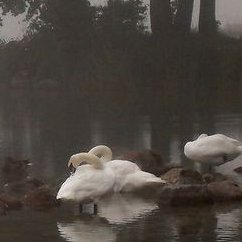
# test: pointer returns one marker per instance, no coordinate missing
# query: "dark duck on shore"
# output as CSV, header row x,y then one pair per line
x,y
20,189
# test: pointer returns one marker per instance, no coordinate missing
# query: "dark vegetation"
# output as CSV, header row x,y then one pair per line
x,y
105,52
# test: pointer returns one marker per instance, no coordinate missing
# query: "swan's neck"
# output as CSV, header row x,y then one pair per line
x,y
103,152
202,136
91,159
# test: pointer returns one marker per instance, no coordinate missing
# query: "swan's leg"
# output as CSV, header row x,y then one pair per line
x,y
80,208
206,168
88,208
95,209
211,168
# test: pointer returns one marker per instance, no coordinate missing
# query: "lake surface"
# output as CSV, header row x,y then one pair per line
x,y
47,127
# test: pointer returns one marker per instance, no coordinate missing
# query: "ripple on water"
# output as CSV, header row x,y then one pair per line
x,y
228,226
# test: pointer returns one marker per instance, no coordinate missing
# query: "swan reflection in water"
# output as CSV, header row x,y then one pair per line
x,y
86,230
125,208
118,209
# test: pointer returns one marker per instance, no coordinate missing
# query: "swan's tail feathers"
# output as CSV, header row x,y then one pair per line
x,y
240,149
155,181
234,141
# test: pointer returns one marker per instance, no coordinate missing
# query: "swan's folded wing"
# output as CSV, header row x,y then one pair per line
x,y
140,180
86,183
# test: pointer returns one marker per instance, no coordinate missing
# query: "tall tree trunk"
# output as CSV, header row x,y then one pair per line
x,y
161,17
207,19
183,17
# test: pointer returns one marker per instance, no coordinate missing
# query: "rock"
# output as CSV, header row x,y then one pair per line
x,y
20,188
41,198
225,191
11,202
238,170
147,160
182,176
3,208
180,195
192,222
187,187
212,177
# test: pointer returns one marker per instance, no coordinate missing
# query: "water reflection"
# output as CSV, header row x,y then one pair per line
x,y
49,127
119,219
125,208
91,229
193,224
118,209
228,225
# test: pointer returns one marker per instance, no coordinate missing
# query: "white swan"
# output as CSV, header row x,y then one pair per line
x,y
128,176
214,149
89,182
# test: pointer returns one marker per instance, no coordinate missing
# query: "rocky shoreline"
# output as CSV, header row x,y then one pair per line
x,y
189,187
185,187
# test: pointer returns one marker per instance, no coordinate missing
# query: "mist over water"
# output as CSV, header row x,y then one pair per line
x,y
67,90
47,129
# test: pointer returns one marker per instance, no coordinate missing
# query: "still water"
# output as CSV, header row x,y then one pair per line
x,y
48,127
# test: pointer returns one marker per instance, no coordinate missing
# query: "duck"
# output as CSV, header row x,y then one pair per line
x,y
22,190
214,149
128,176
14,169
88,183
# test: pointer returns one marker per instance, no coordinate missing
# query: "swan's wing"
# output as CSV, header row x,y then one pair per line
x,y
86,183
122,167
140,180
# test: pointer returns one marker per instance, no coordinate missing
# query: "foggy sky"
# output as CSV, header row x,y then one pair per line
x,y
228,12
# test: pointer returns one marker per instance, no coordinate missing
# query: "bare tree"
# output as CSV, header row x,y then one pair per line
x,y
183,17
207,19
161,17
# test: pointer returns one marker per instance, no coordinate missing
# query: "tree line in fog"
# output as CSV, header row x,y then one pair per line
x,y
108,50
175,16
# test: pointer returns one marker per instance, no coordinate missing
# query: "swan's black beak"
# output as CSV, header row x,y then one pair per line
x,y
72,169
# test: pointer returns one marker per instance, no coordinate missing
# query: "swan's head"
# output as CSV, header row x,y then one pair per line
x,y
103,152
85,158
187,148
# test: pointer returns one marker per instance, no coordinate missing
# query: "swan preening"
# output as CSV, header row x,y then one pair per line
x,y
89,182
214,149
96,175
128,176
